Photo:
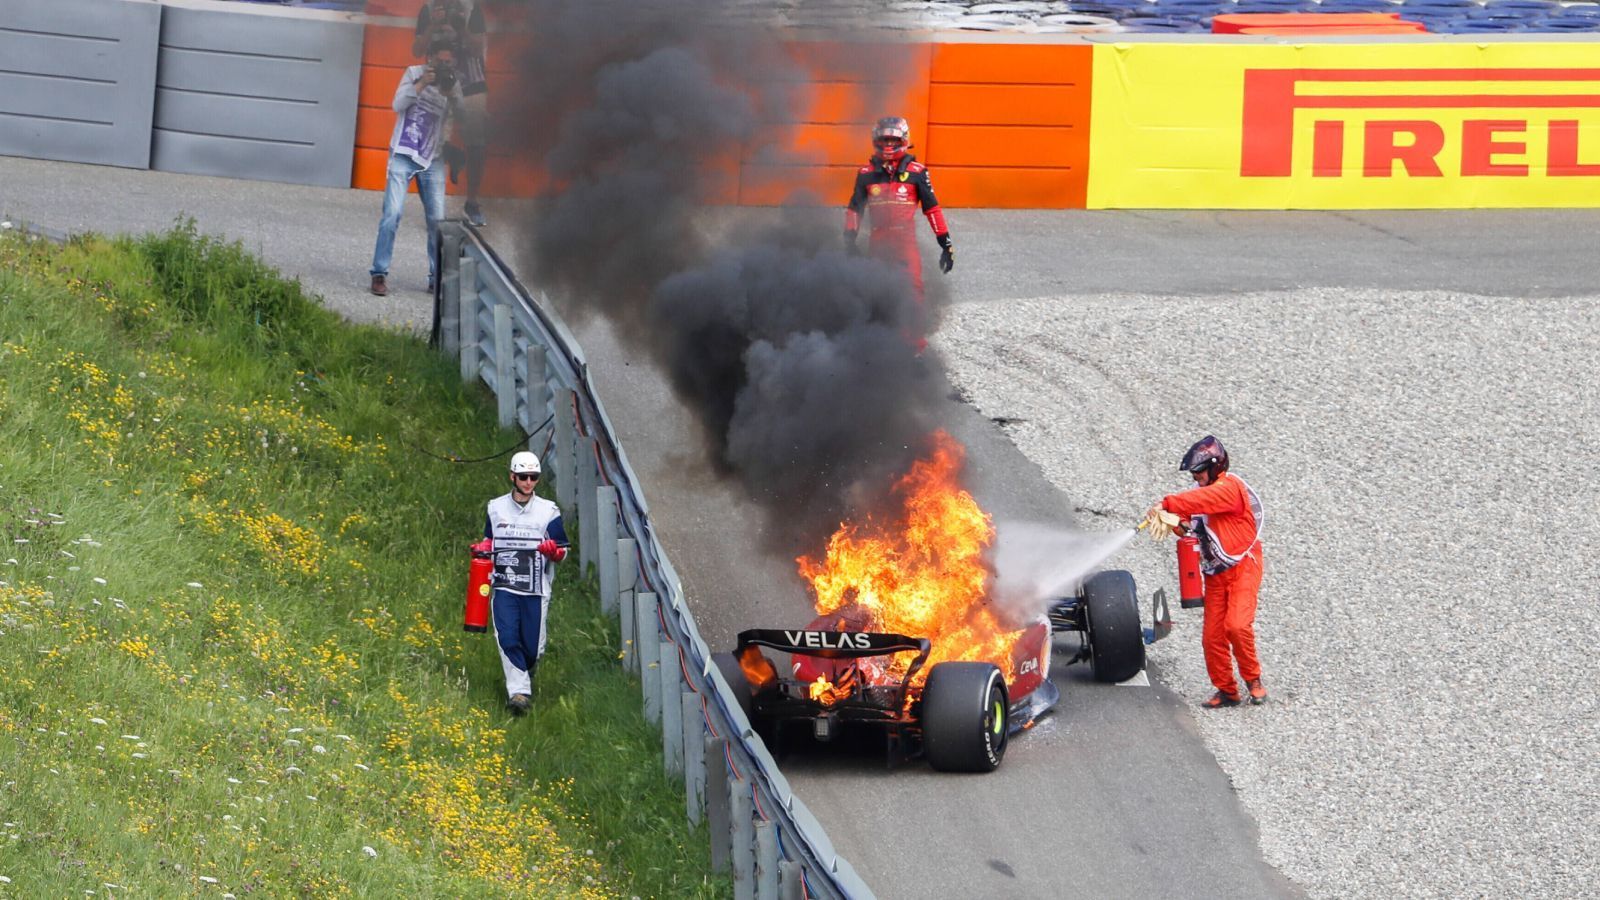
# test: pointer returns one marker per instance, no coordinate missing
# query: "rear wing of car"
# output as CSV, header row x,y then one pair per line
x,y
838,645
833,644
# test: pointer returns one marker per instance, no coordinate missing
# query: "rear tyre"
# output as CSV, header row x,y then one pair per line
x,y
1116,641
964,717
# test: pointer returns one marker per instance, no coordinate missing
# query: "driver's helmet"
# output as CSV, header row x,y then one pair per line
x,y
891,137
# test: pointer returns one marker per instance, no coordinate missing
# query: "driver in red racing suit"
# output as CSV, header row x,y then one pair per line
x,y
890,187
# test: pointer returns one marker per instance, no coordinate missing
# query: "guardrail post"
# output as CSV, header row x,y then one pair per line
x,y
606,546
694,754
627,584
649,656
671,708
588,534
467,290
741,816
505,367
538,387
562,452
789,880
449,287
766,861
717,807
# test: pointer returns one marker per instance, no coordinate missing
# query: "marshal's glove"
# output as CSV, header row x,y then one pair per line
x,y
850,243
947,259
1161,523
552,551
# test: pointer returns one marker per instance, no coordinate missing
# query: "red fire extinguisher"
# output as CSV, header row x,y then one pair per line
x,y
478,590
1191,584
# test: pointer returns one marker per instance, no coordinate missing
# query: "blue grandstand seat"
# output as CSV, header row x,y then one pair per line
x,y
1163,26
1341,6
1478,26
1565,24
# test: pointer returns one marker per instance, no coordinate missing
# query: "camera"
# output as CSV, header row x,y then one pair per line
x,y
444,76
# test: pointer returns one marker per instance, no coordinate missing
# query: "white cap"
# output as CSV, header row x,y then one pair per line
x,y
524,462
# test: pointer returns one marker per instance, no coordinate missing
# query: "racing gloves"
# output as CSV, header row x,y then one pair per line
x,y
552,551
947,259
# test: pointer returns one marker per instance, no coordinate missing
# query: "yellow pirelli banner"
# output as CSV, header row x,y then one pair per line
x,y
1345,126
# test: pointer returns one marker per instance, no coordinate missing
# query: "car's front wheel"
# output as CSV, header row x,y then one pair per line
x,y
964,717
1116,640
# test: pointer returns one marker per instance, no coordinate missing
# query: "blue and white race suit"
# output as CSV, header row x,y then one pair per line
x,y
521,579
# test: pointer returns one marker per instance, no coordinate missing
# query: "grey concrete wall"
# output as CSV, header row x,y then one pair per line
x,y
75,79
248,91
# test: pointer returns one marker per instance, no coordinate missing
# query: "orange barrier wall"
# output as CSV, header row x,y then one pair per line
x,y
385,53
1001,125
1008,124
851,85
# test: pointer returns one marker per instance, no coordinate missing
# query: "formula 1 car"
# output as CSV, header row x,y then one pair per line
x,y
962,716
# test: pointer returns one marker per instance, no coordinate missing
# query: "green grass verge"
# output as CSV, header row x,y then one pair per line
x,y
231,658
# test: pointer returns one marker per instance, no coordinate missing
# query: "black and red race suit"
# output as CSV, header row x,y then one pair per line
x,y
890,195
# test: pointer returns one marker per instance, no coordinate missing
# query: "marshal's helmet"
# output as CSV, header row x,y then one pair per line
x,y
891,137
524,463
1207,455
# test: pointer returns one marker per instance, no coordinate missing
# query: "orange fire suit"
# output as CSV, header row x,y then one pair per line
x,y
1226,516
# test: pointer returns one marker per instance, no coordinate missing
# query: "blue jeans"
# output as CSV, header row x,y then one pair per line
x,y
430,186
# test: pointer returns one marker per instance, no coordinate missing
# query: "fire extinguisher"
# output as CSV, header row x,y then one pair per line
x,y
478,590
1191,584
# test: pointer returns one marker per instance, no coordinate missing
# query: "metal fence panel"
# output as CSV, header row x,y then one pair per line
x,y
76,79
256,92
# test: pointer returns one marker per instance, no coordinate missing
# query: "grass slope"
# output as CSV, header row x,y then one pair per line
x,y
230,651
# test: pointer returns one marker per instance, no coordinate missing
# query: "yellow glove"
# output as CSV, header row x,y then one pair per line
x,y
1161,523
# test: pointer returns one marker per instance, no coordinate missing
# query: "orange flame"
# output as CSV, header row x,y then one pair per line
x,y
826,692
923,574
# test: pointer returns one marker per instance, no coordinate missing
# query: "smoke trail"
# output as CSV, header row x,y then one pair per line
x,y
1036,564
798,360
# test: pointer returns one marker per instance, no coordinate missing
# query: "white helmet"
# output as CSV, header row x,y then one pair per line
x,y
524,463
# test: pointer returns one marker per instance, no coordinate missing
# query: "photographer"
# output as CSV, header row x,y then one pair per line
x,y
464,22
424,101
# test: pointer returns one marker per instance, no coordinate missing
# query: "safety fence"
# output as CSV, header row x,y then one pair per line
x,y
513,342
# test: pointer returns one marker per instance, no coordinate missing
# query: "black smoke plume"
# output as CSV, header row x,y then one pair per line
x,y
799,360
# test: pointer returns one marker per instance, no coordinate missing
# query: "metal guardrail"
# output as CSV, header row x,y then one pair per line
x,y
521,349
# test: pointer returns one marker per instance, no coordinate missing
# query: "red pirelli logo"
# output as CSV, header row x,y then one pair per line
x,y
1493,144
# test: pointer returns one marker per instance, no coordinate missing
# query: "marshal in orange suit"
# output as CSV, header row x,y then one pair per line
x,y
1225,514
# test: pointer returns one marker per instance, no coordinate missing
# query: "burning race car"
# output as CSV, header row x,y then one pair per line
x,y
914,634
958,713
